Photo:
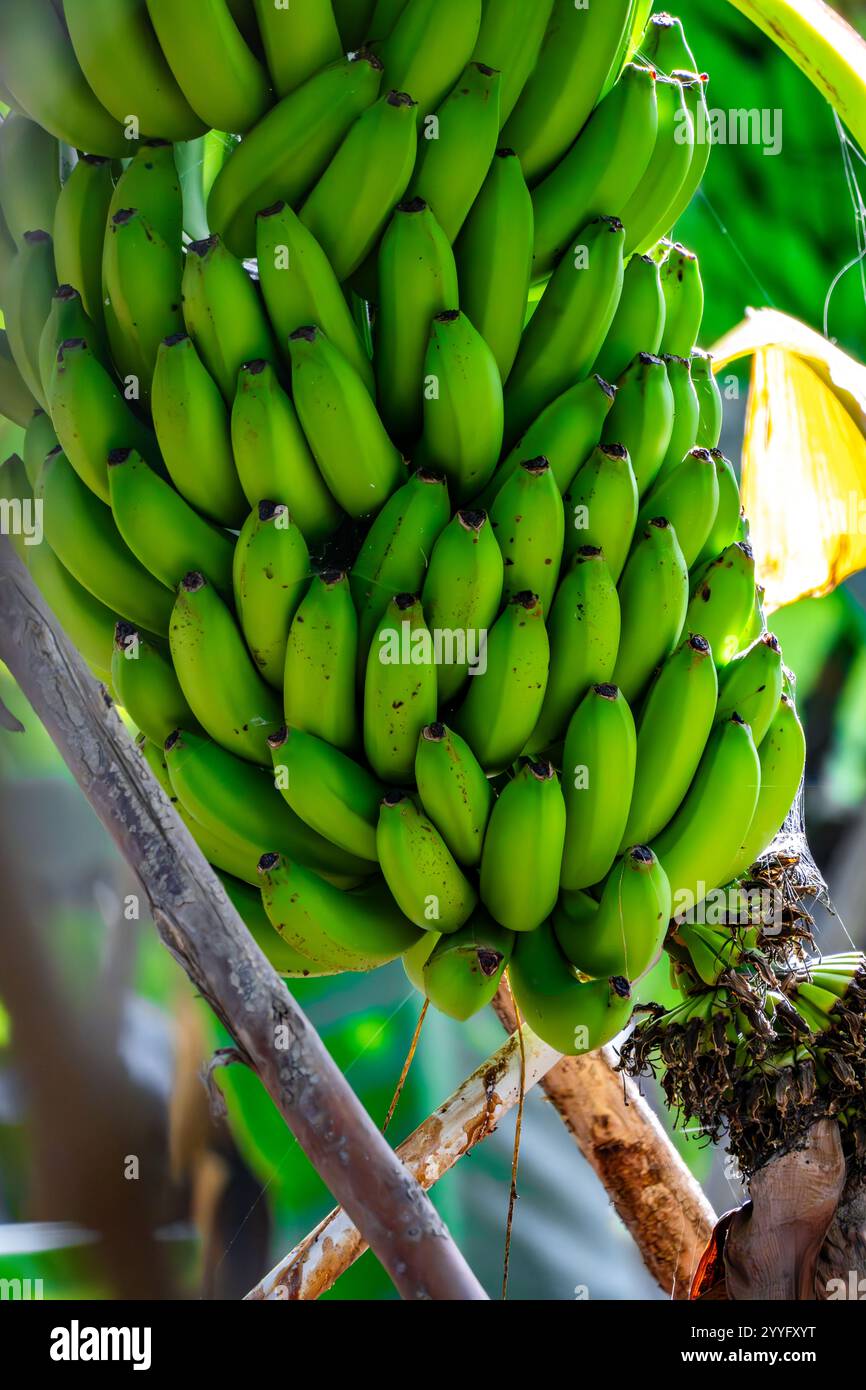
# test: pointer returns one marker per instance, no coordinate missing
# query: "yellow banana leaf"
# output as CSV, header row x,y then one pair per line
x,y
804,455
824,47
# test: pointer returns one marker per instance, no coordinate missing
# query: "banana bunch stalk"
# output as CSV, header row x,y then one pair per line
x,y
387,498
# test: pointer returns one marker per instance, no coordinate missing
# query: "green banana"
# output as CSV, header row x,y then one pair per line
x,y
399,689
505,697
192,426
239,710
271,570
219,75
349,206
709,400
233,856
417,956
565,334
528,521
698,847
17,402
654,593
300,287
39,68
161,529
39,439
639,321
782,756
454,791
664,44
288,149
648,214
80,219
87,622
584,632
30,286
457,148
425,879
520,861
146,685
7,256
463,971
84,536
565,433
29,176
241,804
288,962
695,90
684,301
66,319
462,594
428,48
642,417
463,409
724,529
352,931
688,495
630,42
672,731
579,47
757,626
574,1017
91,416
687,414
624,932
600,173
510,40
711,952
272,456
417,279
751,686
223,313
598,763
124,65
722,602
141,278
321,660
151,183
394,556
331,793
494,259
299,40
383,17
333,405
601,507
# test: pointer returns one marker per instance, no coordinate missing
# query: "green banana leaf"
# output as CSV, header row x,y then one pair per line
x,y
824,47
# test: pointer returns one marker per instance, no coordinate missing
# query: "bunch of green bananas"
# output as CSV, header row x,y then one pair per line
x,y
410,551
